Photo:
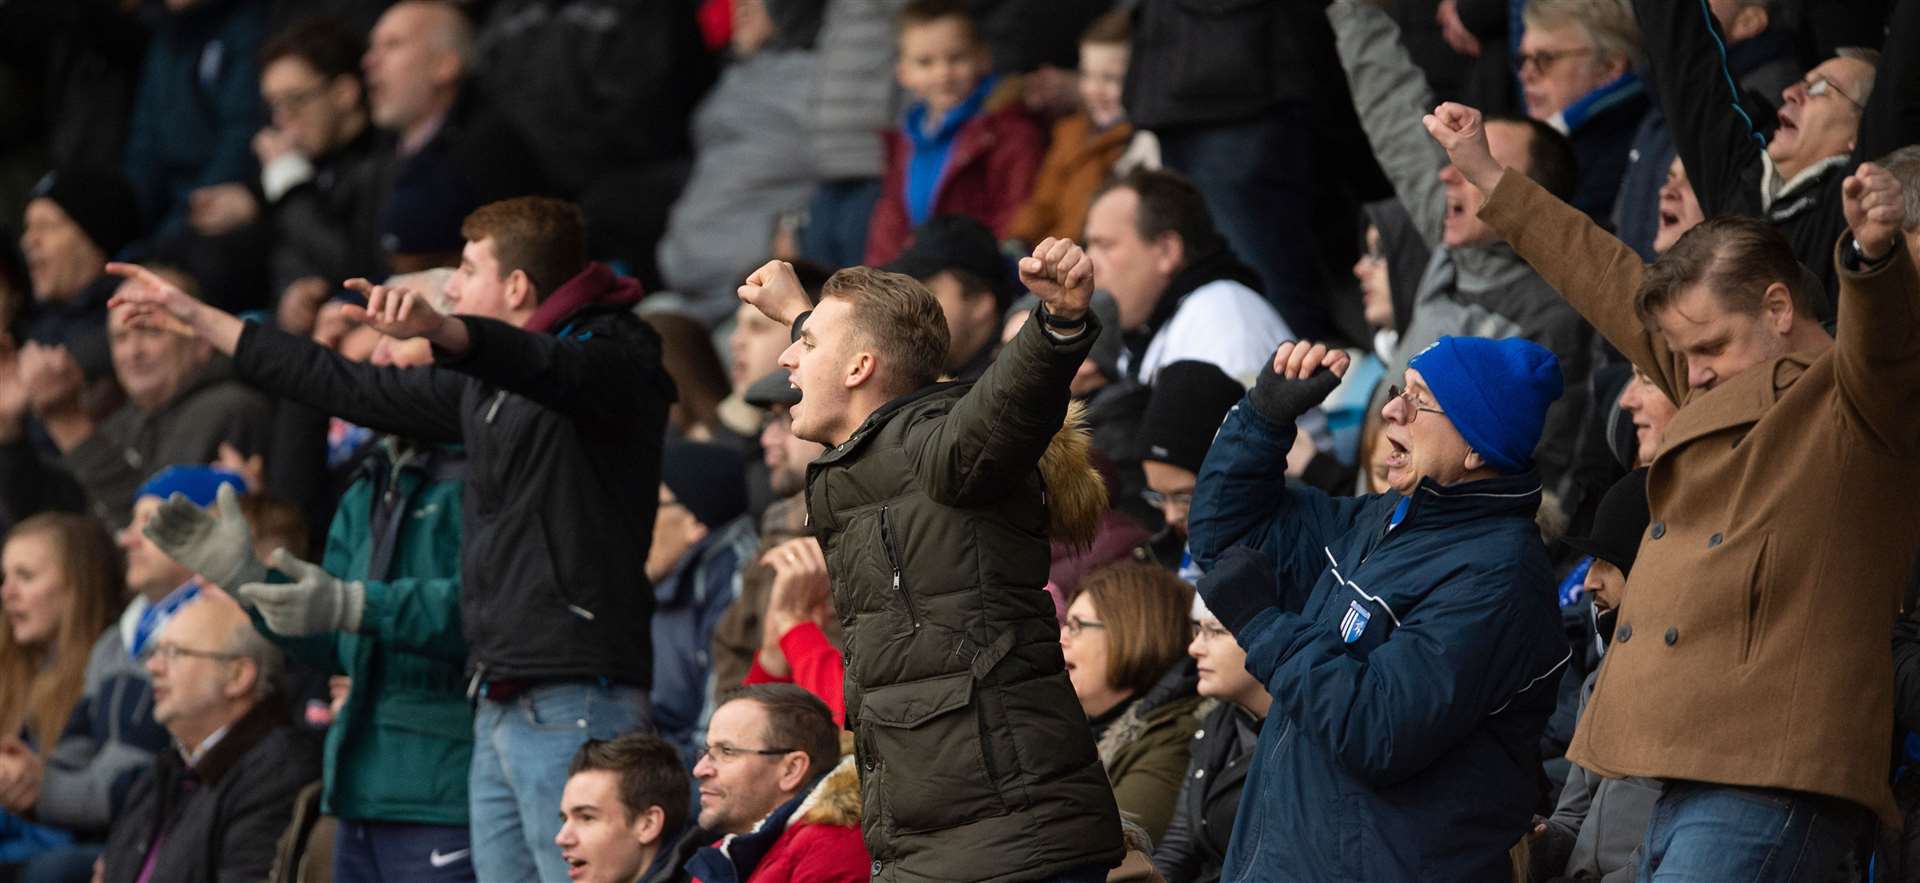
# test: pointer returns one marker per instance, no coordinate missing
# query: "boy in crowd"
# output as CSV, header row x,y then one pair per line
x,y
952,155
1087,147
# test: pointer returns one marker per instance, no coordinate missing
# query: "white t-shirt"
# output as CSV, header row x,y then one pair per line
x,y
1223,323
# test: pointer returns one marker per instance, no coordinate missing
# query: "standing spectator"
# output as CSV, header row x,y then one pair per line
x,y
1411,690
1831,512
1085,145
182,405
1182,292
321,166
752,164
1229,88
556,391
1189,400
1195,844
958,260
1829,122
451,154
213,804
1474,285
60,592
774,787
76,220
702,539
625,801
1576,63
1122,643
934,512
855,99
954,152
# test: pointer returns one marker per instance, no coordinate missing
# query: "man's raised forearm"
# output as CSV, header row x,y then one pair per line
x,y
217,327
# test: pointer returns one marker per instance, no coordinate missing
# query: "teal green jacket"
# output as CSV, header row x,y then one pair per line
x,y
399,749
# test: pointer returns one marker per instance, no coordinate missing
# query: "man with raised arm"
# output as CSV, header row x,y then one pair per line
x,y
1781,520
934,503
557,392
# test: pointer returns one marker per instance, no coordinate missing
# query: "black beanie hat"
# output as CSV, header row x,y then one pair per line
x,y
98,199
1185,409
711,481
1618,523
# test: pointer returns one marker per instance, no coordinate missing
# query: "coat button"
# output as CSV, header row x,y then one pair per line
x,y
870,764
1624,634
1659,529
1199,734
1673,635
1715,540
1199,774
876,869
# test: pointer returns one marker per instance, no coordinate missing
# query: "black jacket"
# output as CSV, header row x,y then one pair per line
x,y
1723,149
1195,846
221,818
563,435
976,761
329,225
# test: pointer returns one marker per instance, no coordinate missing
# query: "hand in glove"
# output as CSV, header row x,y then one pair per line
x,y
314,603
1296,384
218,547
1240,586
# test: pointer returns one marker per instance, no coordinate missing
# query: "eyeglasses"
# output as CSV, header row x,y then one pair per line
x,y
292,102
1159,500
1819,86
1544,60
724,753
1412,403
1075,625
172,652
1212,631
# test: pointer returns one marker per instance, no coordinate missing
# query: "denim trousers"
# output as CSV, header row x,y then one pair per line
x,y
1705,833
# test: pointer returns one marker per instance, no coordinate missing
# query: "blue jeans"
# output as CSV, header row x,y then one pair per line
x,y
521,750
1257,178
1703,833
836,231
393,852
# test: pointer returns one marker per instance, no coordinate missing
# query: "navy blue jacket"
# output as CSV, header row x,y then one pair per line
x,y
1410,692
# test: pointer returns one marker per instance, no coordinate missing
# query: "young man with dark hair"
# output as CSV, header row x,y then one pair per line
x,y
557,391
625,800
933,504
1785,472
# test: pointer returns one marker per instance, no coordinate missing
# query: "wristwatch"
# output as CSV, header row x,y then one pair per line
x,y
1859,258
1054,321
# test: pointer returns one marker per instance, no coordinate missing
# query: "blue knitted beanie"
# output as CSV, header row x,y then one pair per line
x,y
201,484
1496,392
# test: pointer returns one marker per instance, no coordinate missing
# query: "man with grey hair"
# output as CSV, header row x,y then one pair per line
x,y
214,806
1576,70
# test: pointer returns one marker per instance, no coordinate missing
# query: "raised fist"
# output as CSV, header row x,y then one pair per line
x,y
1061,275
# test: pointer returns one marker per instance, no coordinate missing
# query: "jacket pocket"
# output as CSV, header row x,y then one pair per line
x,y
932,730
896,562
1757,597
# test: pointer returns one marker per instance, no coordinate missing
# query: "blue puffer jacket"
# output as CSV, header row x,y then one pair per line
x,y
1410,693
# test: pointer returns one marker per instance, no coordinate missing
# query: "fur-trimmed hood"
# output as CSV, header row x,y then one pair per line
x,y
1076,495
834,800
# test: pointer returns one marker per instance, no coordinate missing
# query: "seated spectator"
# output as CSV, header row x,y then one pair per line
x,y
1196,840
957,259
112,736
752,163
451,154
702,538
76,220
320,166
1086,145
1418,701
624,803
182,404
775,789
1188,402
61,590
1122,642
1596,831
953,153
1182,293
1576,69
214,803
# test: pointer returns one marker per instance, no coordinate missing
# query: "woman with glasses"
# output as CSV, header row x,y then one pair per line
x,y
1123,643
61,588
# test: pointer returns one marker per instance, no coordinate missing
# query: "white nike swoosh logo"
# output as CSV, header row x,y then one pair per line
x,y
440,861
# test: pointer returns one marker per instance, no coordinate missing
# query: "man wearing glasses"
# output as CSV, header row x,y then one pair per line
x,y
775,790
214,806
1410,691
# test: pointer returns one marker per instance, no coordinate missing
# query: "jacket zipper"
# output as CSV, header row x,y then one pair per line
x,y
893,561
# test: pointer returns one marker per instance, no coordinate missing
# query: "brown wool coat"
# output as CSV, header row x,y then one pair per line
x,y
1752,644
1078,161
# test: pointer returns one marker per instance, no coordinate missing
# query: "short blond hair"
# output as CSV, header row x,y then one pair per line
x,y
1608,24
900,319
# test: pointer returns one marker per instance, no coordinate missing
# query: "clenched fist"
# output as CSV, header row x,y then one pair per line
x,y
1061,275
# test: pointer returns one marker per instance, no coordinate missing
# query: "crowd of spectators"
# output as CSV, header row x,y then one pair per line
x,y
1051,440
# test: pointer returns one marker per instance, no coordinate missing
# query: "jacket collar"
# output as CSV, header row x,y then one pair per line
x,y
735,857
595,286
242,735
1220,265
1500,497
886,412
1739,401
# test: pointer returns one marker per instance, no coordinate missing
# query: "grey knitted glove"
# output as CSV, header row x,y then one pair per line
x,y
316,601
217,547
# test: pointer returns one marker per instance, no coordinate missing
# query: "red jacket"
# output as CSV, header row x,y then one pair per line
x,y
988,177
815,665
821,842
